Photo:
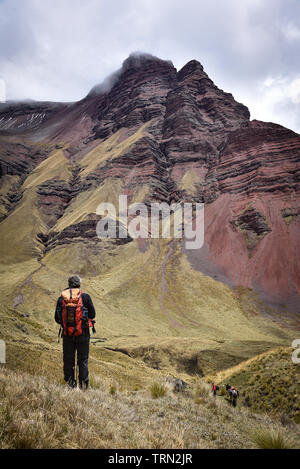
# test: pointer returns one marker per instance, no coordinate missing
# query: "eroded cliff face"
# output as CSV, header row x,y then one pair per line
x,y
158,134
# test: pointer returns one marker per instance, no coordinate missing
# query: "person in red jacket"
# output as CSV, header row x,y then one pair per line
x,y
214,389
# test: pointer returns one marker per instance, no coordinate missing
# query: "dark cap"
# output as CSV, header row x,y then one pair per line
x,y
74,281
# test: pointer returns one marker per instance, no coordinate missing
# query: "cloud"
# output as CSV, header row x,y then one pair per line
x,y
291,31
135,60
276,99
59,49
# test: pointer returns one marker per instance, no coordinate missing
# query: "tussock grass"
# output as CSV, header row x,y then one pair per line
x,y
201,392
37,413
158,390
273,439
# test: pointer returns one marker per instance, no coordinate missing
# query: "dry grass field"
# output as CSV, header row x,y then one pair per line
x,y
37,413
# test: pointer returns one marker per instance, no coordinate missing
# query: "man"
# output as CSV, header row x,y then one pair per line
x,y
215,388
75,313
234,396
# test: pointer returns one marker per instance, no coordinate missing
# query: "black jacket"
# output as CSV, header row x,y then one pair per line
x,y
87,302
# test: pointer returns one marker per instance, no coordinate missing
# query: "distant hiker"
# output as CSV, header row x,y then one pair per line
x,y
215,388
75,313
233,394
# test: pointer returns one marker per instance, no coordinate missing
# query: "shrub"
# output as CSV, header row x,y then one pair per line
x,y
158,390
112,390
272,439
94,383
202,390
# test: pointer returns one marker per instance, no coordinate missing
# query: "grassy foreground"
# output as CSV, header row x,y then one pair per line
x,y
37,413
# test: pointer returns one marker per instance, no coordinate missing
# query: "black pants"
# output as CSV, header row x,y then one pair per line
x,y
81,344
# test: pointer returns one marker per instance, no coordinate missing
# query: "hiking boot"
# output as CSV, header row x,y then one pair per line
x,y
84,385
72,383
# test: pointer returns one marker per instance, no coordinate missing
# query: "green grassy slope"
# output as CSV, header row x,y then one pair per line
x,y
269,382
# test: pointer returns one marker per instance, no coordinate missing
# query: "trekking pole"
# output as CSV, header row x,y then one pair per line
x,y
59,334
76,370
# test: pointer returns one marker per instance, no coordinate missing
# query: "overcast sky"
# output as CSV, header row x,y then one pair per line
x,y
58,49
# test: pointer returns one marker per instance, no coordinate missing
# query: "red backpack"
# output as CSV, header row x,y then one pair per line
x,y
74,314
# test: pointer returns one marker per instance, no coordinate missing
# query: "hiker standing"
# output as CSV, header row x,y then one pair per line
x,y
75,313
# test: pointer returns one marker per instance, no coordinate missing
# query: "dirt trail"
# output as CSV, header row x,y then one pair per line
x,y
19,298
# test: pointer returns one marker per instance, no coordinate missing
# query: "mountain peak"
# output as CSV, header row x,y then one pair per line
x,y
193,67
143,59
136,62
